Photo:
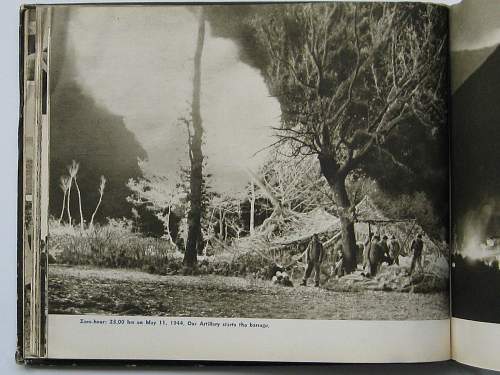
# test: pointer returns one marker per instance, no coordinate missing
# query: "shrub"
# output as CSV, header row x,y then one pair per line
x,y
112,245
116,245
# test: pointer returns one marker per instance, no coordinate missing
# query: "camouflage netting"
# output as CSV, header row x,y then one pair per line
x,y
404,230
287,228
283,238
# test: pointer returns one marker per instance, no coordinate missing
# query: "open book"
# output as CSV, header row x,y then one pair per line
x,y
260,182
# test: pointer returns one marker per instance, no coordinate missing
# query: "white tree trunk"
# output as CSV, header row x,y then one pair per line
x,y
62,209
95,211
221,228
79,204
252,208
69,201
167,227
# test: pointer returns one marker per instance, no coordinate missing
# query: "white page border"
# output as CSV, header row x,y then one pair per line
x,y
285,340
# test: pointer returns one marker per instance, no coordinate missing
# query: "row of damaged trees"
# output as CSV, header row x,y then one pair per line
x,y
362,91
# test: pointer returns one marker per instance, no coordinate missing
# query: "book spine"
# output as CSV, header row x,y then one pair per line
x,y
33,186
21,195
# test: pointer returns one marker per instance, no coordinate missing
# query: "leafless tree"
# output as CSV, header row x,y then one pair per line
x,y
349,77
102,185
73,172
194,238
64,185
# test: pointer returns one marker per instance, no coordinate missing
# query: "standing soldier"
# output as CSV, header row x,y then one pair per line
x,y
394,249
315,256
417,247
366,251
375,255
338,260
386,257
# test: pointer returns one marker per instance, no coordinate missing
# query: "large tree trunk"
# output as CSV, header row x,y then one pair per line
x,y
167,227
336,181
196,156
347,224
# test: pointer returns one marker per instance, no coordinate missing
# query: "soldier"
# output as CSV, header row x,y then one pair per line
x,y
386,257
394,249
366,251
315,255
417,247
338,260
375,255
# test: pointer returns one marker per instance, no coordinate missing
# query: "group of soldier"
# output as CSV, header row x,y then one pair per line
x,y
375,251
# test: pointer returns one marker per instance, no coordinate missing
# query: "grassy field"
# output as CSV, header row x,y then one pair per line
x,y
90,290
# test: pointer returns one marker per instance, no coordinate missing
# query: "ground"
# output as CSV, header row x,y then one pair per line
x,y
87,290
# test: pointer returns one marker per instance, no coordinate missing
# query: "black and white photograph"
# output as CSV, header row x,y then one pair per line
x,y
271,161
475,58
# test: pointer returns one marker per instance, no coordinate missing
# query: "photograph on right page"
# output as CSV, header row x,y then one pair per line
x,y
475,70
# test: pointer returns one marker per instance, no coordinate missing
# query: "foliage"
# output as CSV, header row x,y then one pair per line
x,y
348,76
351,79
163,198
296,182
110,245
115,245
412,205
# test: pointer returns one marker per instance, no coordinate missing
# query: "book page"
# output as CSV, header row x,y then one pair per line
x,y
249,183
475,58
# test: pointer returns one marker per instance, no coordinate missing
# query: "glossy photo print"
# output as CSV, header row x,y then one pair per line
x,y
270,161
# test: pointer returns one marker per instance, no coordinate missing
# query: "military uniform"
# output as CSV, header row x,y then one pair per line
x,y
386,253
314,255
394,250
375,256
417,247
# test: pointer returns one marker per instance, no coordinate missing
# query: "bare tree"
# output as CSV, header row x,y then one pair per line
x,y
158,195
194,238
349,77
102,185
64,185
73,172
252,207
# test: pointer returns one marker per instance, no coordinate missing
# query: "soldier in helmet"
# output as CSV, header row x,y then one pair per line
x,y
394,249
315,255
366,251
375,255
386,257
417,248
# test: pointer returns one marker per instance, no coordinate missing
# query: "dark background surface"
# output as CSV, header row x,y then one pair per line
x,y
441,368
8,152
476,181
